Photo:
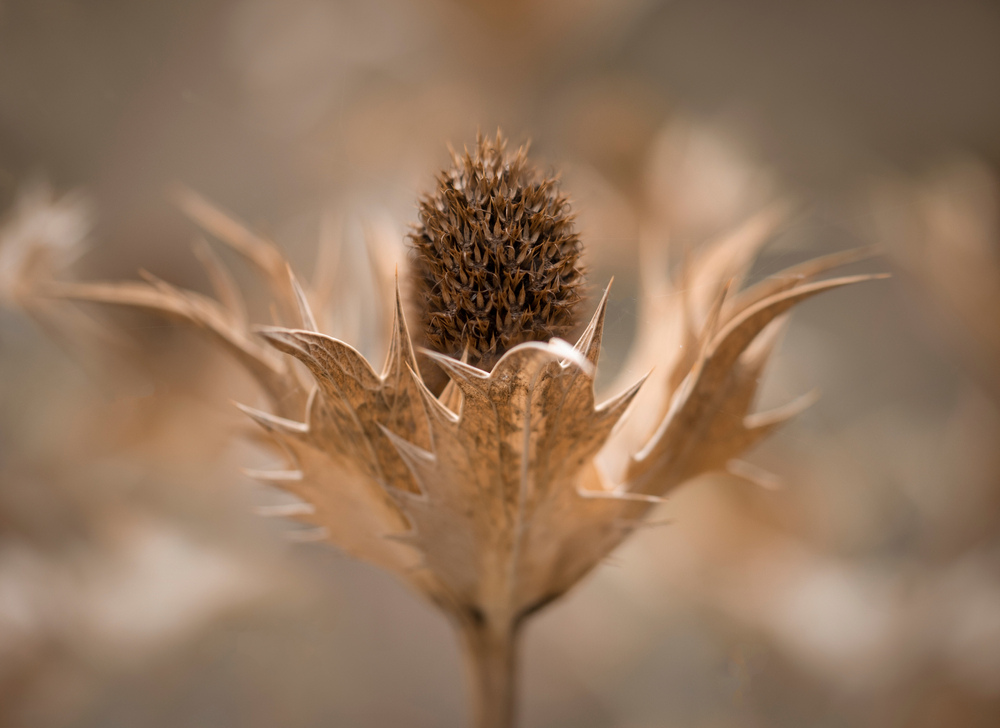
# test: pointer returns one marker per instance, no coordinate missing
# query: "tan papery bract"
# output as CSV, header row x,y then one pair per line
x,y
490,498
498,495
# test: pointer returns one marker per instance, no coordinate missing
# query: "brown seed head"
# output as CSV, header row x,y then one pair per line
x,y
496,261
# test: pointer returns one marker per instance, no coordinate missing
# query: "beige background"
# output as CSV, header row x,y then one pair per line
x,y
137,589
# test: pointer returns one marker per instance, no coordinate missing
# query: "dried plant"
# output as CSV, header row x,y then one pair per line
x,y
84,568
496,258
495,495
42,236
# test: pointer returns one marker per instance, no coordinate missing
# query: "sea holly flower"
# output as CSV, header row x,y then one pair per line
x,y
486,474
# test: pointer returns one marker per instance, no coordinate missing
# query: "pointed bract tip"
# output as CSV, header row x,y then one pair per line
x,y
271,422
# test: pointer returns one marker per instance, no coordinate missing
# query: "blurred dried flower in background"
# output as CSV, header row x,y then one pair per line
x,y
498,495
41,236
91,583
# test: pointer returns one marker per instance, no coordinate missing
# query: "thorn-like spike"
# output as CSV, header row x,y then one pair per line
x,y
285,510
632,524
436,410
274,476
615,407
774,417
750,365
157,282
407,450
308,535
622,496
761,348
415,568
471,381
818,266
280,337
686,305
407,537
715,311
273,423
421,463
754,474
657,523
451,396
305,312
400,346
589,343
737,334
403,498
254,248
798,275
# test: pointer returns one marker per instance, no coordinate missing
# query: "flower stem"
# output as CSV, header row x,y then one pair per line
x,y
491,655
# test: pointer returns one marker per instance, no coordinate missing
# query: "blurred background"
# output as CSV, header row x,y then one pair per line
x,y
138,588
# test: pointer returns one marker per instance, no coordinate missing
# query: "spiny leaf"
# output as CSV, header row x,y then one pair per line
x,y
705,425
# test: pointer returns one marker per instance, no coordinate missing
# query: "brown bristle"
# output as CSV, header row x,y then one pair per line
x,y
496,261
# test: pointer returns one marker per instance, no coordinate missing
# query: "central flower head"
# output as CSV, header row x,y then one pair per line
x,y
496,261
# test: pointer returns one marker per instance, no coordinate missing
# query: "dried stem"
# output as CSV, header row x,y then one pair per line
x,y
491,655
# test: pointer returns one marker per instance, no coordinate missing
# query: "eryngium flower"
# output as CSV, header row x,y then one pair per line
x,y
496,259
496,496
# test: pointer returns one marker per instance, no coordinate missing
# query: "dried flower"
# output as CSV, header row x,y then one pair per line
x,y
490,498
496,260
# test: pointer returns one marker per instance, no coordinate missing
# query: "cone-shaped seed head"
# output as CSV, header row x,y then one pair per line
x,y
496,261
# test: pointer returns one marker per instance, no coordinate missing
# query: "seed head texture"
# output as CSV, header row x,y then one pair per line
x,y
495,258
